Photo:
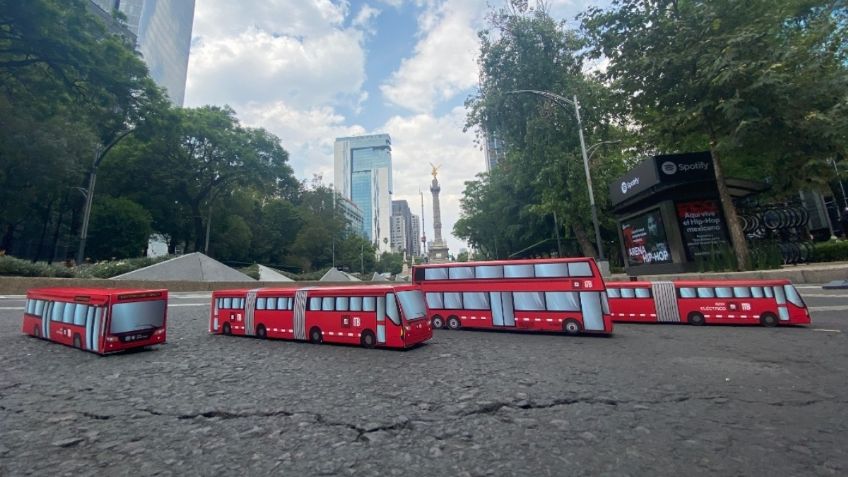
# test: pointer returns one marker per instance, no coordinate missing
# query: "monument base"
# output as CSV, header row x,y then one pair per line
x,y
438,253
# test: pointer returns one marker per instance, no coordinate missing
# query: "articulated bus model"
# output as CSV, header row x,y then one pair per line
x,y
99,320
390,316
725,302
561,294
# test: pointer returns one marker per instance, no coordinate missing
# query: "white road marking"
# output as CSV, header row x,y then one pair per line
x,y
826,330
828,295
829,308
12,308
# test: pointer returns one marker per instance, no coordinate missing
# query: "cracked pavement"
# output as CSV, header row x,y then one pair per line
x,y
651,400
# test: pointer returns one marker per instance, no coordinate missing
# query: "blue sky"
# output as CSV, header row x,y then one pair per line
x,y
313,70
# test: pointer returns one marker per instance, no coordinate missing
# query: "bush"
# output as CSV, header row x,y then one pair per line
x,y
831,251
12,266
107,269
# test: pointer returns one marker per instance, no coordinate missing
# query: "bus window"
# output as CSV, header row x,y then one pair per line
x,y
39,307
228,303
460,273
706,292
356,303
271,304
741,292
328,303
793,296
488,271
392,309
30,307
757,292
453,301
68,316
369,303
779,295
342,303
614,293
434,300
643,293
284,303
79,314
439,273
579,269
562,301
769,292
381,308
723,292
528,301
240,303
260,303
476,300
518,271
687,292
315,303
628,293
551,269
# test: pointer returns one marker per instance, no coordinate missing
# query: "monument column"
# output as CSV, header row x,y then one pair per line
x,y
438,249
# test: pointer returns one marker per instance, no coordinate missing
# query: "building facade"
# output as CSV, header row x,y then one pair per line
x,y
163,37
363,174
416,236
352,214
405,232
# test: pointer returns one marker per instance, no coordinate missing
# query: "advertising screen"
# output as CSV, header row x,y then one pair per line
x,y
645,240
702,226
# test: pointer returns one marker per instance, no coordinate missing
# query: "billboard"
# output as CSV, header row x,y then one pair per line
x,y
645,240
702,227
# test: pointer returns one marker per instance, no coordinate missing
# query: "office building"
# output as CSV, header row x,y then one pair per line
x,y
352,214
405,234
416,236
363,174
162,30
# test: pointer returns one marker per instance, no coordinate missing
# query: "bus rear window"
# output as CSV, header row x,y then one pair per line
x,y
137,316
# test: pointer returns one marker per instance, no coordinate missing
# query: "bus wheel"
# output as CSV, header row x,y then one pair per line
x,y
768,320
696,319
367,339
453,323
77,341
226,329
438,322
261,332
571,327
315,335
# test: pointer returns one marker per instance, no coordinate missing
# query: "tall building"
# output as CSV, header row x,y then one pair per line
x,y
352,214
363,174
416,233
163,36
407,238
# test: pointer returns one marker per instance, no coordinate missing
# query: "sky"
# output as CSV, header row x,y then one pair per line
x,y
310,71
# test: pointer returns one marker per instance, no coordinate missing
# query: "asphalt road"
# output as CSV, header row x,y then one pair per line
x,y
651,400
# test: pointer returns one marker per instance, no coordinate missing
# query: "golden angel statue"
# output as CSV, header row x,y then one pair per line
x,y
435,169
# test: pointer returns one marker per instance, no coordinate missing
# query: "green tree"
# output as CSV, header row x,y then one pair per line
x,y
390,262
760,80
120,228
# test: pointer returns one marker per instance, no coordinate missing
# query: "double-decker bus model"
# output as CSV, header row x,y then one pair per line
x,y
98,320
390,316
725,302
558,294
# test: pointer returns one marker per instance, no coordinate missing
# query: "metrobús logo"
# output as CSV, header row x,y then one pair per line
x,y
670,168
626,186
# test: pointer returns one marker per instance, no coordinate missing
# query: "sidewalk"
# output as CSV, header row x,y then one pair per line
x,y
814,273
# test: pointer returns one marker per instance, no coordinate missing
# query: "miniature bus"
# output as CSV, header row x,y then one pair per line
x,y
97,320
388,316
560,294
737,302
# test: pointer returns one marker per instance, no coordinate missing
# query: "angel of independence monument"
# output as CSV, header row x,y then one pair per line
x,y
438,252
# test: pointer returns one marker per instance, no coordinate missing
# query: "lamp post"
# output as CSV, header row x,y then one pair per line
x,y
562,102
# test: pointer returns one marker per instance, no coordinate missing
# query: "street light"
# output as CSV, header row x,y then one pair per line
x,y
561,101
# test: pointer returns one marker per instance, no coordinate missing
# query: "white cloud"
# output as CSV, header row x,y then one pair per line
x,y
444,62
421,139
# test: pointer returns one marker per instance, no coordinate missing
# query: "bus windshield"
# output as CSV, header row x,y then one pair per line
x,y
413,305
137,316
793,296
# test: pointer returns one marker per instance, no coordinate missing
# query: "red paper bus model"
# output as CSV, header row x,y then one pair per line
x,y
725,302
390,316
98,320
560,294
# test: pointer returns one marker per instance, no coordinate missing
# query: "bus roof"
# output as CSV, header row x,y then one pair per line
x,y
705,283
329,289
93,292
528,261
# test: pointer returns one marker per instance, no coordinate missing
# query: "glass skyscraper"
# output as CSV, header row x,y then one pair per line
x,y
163,36
363,174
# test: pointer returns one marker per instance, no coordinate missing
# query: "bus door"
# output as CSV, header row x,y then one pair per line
x,y
503,313
45,319
92,327
381,315
665,301
593,314
780,297
300,314
249,309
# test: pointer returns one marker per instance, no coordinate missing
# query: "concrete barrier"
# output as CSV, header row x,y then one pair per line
x,y
20,285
